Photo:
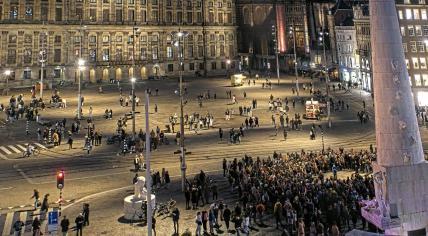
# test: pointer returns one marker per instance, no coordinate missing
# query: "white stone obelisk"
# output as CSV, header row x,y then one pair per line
x,y
401,173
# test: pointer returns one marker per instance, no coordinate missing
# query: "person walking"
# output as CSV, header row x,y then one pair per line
x,y
17,227
226,216
70,142
220,133
198,222
86,214
45,204
36,196
175,219
65,224
79,224
154,225
36,226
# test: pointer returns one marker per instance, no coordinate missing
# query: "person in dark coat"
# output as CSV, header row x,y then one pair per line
x,y
65,224
226,216
36,226
175,218
79,224
86,214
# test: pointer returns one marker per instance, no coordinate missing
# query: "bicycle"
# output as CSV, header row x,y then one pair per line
x,y
165,208
35,152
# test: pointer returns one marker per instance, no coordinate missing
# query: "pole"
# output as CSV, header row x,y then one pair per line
x,y
183,154
277,64
79,96
60,202
148,175
133,109
7,85
295,60
327,79
42,74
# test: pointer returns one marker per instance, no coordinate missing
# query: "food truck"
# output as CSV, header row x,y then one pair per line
x,y
312,110
237,79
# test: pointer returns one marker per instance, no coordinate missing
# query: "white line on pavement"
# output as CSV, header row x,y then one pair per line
x,y
3,157
6,188
4,149
7,224
25,176
40,145
21,147
14,149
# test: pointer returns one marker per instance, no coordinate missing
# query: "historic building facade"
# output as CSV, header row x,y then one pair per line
x,y
362,30
118,39
267,26
346,45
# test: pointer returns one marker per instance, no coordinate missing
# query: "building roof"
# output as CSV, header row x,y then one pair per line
x,y
340,5
348,21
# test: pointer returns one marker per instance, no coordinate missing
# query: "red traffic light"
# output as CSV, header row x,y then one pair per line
x,y
60,179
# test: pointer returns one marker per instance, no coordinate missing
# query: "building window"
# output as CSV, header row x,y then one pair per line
x,y
155,52
27,55
422,62
12,38
425,79
179,17
213,65
155,38
403,31
413,47
169,53
119,15
143,16
212,50
118,54
168,16
415,62
93,55
423,14
400,14
418,81
405,47
11,56
28,38
416,14
170,67
220,4
189,17
27,74
154,2
106,54
223,65
425,30
92,14
93,39
190,51
418,30
106,38
155,16
57,38
407,64
211,17
58,14
220,18
191,66
106,15
409,14
229,18
411,30
200,51
143,55
13,13
222,50
57,55
131,15
421,46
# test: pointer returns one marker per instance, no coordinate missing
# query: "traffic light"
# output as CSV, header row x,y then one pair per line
x,y
60,179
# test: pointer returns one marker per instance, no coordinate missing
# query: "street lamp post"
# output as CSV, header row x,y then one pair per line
x,y
42,59
322,138
81,67
327,77
180,46
148,174
275,41
295,59
133,105
228,68
7,74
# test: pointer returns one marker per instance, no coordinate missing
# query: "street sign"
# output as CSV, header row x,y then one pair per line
x,y
53,221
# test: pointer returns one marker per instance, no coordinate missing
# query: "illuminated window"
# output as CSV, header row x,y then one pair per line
x,y
425,79
421,46
422,62
415,62
418,30
409,14
413,46
404,47
407,64
416,14
411,30
400,14
403,31
418,81
169,52
423,14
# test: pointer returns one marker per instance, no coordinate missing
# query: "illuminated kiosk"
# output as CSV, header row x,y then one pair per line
x,y
132,204
400,172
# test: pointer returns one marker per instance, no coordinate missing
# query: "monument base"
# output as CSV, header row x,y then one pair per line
x,y
400,207
132,207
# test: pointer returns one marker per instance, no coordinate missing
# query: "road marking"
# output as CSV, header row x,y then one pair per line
x,y
4,149
25,176
14,149
40,145
6,188
3,157
21,147
23,218
8,224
